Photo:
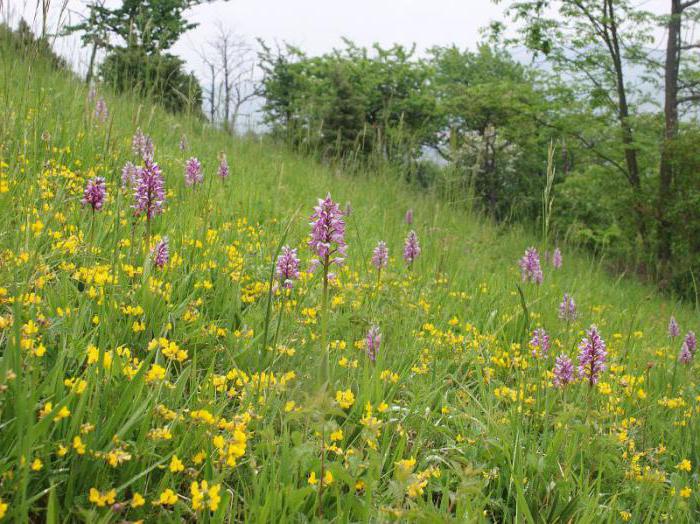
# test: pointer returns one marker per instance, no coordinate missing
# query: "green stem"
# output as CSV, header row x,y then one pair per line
x,y
323,471
92,227
673,377
148,236
279,319
324,371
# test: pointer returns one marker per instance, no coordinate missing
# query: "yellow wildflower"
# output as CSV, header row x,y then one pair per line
x,y
176,465
102,499
78,445
684,465
204,495
345,399
167,498
137,500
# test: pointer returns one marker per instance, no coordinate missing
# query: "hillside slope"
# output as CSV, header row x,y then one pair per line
x,y
131,391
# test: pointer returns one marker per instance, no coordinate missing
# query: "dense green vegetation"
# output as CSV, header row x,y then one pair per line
x,y
472,110
620,115
611,86
126,383
136,36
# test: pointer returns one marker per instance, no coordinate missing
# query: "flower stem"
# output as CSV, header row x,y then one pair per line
x,y
323,471
279,319
673,377
148,236
324,371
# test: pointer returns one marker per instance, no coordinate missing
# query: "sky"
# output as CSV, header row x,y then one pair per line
x,y
318,25
313,25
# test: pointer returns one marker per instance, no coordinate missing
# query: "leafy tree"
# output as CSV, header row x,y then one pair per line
x,y
486,126
348,102
595,45
681,86
25,43
683,212
158,76
474,109
280,86
344,117
152,25
136,36
591,43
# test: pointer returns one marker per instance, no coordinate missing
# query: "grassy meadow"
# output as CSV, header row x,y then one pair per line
x,y
191,392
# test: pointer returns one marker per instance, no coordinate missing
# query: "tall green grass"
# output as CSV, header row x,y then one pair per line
x,y
492,439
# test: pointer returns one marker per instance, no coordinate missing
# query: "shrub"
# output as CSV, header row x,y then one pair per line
x,y
158,76
27,45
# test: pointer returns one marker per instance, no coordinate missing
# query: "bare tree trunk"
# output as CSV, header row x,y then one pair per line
x,y
227,87
44,15
91,65
671,71
623,106
234,116
612,40
212,94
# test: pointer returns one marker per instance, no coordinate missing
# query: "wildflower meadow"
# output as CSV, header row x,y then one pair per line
x,y
201,328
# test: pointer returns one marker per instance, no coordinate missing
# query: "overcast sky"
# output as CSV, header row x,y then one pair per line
x,y
318,25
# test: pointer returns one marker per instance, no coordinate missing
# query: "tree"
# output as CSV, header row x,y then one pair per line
x,y
591,42
306,99
211,91
597,42
230,58
160,77
681,86
136,36
95,34
344,118
487,105
281,85
152,25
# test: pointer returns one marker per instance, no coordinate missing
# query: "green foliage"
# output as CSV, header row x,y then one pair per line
x,y
348,104
487,130
473,111
606,85
152,25
685,212
159,77
485,121
23,42
591,209
138,60
470,404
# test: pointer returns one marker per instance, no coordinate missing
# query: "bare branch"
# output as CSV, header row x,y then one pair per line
x,y
232,63
690,98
